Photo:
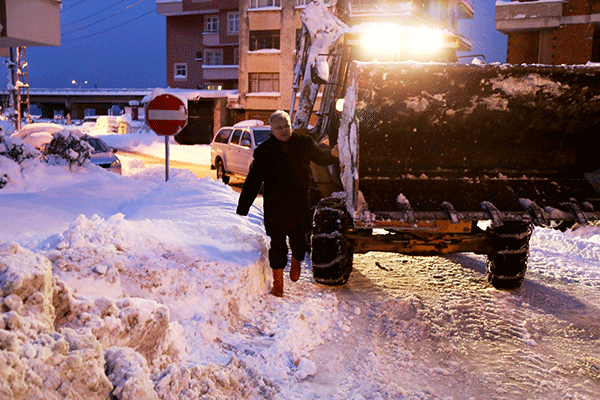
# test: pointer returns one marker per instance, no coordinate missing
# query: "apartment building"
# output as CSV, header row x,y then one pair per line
x,y
202,43
550,31
249,45
269,28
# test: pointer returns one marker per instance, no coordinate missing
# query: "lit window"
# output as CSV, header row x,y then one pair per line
x,y
264,40
264,3
211,24
264,82
213,57
233,25
180,71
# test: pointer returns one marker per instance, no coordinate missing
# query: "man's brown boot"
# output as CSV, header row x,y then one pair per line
x,y
295,270
277,283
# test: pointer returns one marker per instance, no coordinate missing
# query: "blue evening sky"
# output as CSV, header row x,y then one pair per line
x,y
122,44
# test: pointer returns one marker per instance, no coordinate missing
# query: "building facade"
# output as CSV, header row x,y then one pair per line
x,y
202,43
550,31
269,28
249,45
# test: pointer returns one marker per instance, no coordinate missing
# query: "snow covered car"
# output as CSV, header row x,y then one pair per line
x,y
38,134
103,156
232,149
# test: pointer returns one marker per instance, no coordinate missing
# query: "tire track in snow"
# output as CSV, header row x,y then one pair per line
x,y
432,327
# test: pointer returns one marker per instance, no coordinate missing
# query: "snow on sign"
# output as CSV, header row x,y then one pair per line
x,y
166,114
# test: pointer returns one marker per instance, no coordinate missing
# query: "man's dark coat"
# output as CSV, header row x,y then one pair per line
x,y
284,168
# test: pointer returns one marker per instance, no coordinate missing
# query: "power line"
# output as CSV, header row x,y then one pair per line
x,y
73,5
103,19
111,28
92,15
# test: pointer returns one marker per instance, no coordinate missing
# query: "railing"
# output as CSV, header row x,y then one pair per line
x,y
86,91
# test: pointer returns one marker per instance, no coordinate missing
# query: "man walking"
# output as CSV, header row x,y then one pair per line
x,y
282,164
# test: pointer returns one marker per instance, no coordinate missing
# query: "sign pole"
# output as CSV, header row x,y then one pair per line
x,y
166,158
167,115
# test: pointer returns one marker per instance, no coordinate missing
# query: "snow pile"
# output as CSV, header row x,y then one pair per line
x,y
39,361
582,247
144,289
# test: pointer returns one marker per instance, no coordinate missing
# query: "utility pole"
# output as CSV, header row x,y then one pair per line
x,y
14,93
19,82
23,84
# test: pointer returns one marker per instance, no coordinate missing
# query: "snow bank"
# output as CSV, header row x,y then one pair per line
x,y
39,361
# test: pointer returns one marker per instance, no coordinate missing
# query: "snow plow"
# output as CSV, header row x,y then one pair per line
x,y
439,158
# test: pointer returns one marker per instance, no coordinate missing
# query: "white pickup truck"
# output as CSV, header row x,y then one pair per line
x,y
232,149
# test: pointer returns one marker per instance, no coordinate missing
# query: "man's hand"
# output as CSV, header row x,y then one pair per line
x,y
335,151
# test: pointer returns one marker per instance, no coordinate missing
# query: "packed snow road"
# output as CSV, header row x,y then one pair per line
x,y
432,327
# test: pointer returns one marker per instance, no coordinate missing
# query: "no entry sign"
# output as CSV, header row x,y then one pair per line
x,y
166,114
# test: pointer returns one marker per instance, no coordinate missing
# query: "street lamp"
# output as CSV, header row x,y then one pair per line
x,y
74,82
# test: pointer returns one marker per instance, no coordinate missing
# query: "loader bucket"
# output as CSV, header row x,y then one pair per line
x,y
424,141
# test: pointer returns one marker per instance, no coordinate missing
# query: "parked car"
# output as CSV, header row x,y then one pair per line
x,y
40,134
103,156
232,149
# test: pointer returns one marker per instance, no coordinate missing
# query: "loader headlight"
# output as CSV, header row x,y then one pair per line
x,y
379,38
426,40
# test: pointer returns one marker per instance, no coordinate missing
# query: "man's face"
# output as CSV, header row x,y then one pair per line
x,y
281,128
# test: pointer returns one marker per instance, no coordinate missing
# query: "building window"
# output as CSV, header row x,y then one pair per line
x,y
264,40
233,25
236,56
199,56
264,3
213,57
264,82
211,24
180,71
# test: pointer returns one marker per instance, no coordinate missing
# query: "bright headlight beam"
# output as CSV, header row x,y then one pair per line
x,y
382,36
389,37
426,40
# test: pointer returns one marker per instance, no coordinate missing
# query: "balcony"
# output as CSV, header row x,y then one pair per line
x,y
362,9
29,23
528,15
465,9
220,72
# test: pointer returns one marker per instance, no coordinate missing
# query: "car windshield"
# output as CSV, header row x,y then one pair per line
x,y
260,135
97,144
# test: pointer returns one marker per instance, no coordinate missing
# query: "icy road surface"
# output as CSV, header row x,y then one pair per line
x,y
432,327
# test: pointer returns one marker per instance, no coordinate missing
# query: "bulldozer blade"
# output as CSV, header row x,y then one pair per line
x,y
518,138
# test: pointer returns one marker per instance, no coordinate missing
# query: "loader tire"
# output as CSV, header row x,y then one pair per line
x,y
507,263
331,254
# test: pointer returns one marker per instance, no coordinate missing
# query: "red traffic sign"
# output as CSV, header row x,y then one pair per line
x,y
166,114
